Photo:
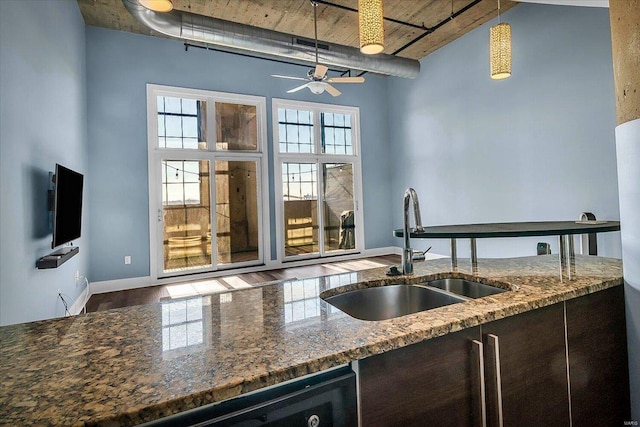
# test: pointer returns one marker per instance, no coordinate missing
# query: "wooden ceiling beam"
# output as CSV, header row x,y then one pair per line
x,y
335,24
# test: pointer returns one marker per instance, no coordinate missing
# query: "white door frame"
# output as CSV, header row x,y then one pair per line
x,y
319,159
156,155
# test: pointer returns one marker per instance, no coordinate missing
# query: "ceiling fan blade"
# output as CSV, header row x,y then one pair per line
x,y
320,71
332,90
346,79
295,89
288,77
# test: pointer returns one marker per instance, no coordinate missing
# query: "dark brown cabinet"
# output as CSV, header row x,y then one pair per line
x,y
431,383
437,382
598,369
558,365
527,354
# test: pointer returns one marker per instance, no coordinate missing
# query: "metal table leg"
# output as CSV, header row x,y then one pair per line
x,y
474,257
563,255
572,259
567,257
454,255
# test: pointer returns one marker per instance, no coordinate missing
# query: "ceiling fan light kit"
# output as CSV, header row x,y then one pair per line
x,y
370,20
317,79
500,49
157,5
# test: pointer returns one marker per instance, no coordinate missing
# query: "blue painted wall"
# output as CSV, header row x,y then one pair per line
x,y
537,146
119,65
42,122
545,152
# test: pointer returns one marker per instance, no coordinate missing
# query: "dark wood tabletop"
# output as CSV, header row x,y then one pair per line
x,y
512,229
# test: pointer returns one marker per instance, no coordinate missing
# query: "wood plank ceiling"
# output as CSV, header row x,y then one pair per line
x,y
335,24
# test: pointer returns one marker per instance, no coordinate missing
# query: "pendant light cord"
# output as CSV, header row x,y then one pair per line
x,y
499,19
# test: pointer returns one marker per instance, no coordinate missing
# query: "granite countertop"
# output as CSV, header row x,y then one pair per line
x,y
131,365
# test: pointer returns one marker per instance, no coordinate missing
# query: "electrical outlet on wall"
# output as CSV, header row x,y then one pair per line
x,y
127,259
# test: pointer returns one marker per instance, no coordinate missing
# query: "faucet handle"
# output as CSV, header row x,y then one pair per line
x,y
420,255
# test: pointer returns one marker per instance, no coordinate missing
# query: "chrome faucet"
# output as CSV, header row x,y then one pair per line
x,y
407,252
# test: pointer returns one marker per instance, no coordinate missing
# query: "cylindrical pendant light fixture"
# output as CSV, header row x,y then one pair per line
x,y
157,5
500,49
370,18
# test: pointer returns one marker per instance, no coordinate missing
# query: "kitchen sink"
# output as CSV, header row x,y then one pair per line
x,y
464,287
387,302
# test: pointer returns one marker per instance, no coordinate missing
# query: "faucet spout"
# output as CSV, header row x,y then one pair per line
x,y
407,252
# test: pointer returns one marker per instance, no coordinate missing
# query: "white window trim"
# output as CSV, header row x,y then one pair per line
x,y
156,154
320,158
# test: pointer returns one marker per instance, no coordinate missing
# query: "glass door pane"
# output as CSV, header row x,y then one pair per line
x,y
186,209
237,238
299,181
338,207
236,127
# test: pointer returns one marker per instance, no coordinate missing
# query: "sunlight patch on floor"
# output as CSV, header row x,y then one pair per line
x,y
209,286
181,290
236,283
195,288
336,268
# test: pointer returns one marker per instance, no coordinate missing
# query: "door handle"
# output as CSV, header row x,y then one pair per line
x,y
479,397
494,379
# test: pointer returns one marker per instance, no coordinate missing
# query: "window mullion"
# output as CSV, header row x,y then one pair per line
x,y
317,132
321,219
212,137
317,124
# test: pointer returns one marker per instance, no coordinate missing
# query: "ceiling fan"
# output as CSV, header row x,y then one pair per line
x,y
317,80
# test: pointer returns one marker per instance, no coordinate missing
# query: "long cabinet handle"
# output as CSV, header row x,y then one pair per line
x,y
480,400
494,380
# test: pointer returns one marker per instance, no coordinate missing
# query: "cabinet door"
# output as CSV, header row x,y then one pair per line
x,y
598,368
432,383
529,350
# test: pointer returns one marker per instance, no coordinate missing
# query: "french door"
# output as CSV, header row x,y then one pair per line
x,y
205,177
317,180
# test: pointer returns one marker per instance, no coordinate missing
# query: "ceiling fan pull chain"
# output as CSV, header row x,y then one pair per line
x,y
315,25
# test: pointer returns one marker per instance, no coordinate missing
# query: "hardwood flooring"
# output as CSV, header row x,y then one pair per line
x,y
109,300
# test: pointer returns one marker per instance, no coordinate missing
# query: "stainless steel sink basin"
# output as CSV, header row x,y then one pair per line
x,y
386,302
464,287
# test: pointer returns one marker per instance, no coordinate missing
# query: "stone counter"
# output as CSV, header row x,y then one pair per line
x,y
131,365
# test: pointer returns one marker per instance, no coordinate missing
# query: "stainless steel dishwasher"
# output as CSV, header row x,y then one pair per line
x,y
326,399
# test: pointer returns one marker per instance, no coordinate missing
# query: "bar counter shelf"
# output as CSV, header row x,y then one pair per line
x,y
562,229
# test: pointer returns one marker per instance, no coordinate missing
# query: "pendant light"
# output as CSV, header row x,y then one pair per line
x,y
500,49
157,5
370,19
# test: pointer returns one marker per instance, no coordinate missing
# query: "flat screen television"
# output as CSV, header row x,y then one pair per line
x,y
67,205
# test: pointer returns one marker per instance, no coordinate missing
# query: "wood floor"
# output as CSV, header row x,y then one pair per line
x,y
106,301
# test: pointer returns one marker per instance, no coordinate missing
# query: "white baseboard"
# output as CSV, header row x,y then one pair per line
x,y
389,250
142,282
429,255
78,305
120,284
